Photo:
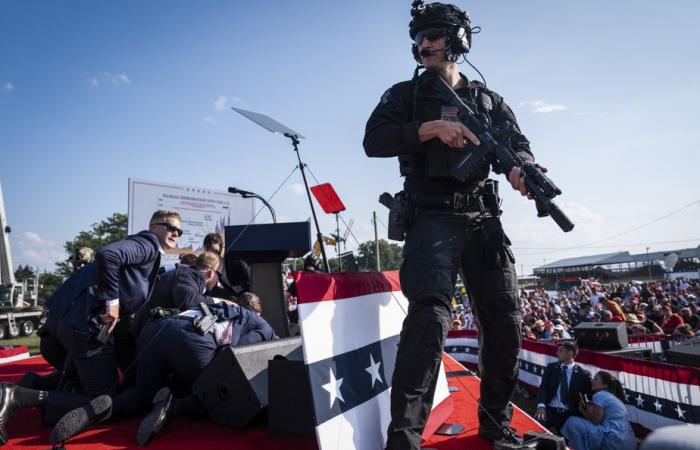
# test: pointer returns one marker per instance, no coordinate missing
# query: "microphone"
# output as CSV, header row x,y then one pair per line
x,y
246,194
428,52
243,193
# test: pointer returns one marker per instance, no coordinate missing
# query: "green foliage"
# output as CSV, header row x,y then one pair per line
x,y
48,283
108,230
23,273
389,256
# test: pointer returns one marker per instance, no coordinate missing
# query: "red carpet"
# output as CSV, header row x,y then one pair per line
x,y
26,432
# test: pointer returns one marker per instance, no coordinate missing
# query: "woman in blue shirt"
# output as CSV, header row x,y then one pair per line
x,y
605,423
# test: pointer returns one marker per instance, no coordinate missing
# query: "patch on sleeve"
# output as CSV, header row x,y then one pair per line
x,y
386,97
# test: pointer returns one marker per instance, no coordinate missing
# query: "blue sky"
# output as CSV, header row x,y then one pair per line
x,y
92,93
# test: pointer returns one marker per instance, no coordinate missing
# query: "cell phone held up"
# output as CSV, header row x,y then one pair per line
x,y
583,400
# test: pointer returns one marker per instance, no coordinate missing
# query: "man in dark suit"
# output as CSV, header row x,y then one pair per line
x,y
181,289
90,315
173,353
563,383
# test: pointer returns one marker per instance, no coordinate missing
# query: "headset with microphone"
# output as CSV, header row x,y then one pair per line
x,y
454,22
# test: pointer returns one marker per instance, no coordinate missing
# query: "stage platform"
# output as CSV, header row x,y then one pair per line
x,y
26,432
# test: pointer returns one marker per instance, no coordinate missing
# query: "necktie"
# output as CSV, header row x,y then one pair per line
x,y
564,386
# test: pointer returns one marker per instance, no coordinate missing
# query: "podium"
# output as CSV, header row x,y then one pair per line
x,y
264,247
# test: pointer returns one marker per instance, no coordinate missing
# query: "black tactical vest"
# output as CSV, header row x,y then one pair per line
x,y
436,159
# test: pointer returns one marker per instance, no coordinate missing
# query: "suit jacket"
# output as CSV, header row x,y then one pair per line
x,y
127,269
124,269
66,298
580,384
181,288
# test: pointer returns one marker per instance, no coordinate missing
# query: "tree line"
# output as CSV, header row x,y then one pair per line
x,y
114,228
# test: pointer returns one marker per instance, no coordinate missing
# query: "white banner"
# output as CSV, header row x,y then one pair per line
x,y
203,211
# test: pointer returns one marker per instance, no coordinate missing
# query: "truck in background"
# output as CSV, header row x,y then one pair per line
x,y
20,312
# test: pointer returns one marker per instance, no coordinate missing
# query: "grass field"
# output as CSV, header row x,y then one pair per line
x,y
32,342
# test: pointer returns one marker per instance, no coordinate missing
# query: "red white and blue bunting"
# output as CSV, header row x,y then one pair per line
x,y
657,394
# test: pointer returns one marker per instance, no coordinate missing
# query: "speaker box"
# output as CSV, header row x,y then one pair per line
x,y
234,386
685,354
601,335
291,410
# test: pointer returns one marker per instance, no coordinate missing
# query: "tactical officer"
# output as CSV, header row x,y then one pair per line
x,y
449,225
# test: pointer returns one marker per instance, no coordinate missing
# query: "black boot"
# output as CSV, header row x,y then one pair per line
x,y
157,418
8,407
98,410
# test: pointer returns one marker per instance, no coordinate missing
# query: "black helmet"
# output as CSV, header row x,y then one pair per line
x,y
452,19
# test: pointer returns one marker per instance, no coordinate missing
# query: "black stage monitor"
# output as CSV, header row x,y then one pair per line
x,y
601,335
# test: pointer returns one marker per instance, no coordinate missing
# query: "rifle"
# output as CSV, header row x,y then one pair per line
x,y
492,140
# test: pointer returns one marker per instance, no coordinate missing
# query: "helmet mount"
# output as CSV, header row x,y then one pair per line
x,y
453,20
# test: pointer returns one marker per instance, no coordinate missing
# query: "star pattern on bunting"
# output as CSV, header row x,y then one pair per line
x,y
682,409
680,412
373,370
333,388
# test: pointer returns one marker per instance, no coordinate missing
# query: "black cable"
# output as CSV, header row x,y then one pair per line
x,y
607,246
150,341
477,70
658,219
228,247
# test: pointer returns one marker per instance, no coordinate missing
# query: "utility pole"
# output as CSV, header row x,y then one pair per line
x,y
376,240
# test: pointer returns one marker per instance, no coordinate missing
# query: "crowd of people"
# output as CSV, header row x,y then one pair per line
x,y
668,308
589,409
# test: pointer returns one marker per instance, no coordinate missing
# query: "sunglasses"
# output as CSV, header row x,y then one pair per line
x,y
171,228
431,34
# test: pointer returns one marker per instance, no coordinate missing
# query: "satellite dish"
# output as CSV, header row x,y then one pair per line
x,y
670,261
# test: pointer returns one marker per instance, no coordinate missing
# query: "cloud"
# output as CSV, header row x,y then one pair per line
x,y
31,249
540,106
121,78
220,103
580,213
235,99
94,82
208,119
33,237
297,188
9,87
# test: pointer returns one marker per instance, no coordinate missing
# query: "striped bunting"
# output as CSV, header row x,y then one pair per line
x,y
656,394
350,326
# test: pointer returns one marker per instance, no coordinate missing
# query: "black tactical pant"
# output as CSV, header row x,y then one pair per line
x,y
438,245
